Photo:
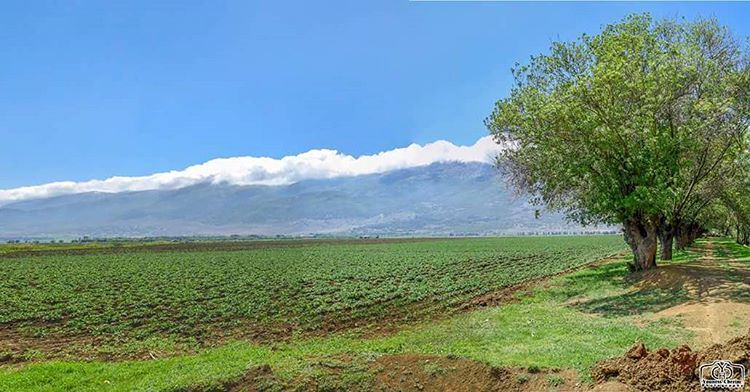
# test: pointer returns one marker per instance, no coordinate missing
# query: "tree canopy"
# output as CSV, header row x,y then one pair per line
x,y
637,125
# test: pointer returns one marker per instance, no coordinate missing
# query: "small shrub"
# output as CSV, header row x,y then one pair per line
x,y
522,378
555,380
433,369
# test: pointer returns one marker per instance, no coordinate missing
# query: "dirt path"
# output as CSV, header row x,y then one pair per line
x,y
718,288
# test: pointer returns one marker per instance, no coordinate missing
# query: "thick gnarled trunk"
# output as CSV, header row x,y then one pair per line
x,y
641,236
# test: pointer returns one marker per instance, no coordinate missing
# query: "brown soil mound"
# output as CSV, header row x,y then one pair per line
x,y
411,372
254,380
736,350
668,370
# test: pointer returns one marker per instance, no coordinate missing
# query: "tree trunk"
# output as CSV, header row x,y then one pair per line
x,y
665,231
641,236
666,239
683,240
686,234
683,236
743,235
695,231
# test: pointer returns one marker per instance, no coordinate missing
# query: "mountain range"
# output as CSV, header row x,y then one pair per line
x,y
445,198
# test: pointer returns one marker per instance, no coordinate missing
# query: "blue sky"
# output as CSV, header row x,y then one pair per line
x,y
96,89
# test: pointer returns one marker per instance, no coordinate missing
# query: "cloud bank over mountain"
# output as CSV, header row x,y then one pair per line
x,y
440,199
313,164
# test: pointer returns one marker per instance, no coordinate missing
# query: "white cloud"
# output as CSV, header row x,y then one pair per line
x,y
314,164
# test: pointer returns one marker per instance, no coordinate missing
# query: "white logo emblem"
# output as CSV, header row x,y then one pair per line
x,y
722,374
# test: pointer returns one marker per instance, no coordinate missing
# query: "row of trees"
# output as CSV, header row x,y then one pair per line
x,y
644,125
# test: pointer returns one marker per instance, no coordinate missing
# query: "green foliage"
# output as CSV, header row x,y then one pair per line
x,y
555,380
629,123
195,297
731,213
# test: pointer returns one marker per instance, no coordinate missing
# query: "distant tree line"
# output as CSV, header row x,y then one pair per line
x,y
643,125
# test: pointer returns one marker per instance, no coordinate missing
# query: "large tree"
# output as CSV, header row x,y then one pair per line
x,y
626,127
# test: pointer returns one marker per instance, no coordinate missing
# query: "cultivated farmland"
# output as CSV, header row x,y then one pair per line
x,y
184,297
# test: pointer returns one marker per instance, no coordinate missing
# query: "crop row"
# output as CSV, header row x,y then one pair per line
x,y
198,295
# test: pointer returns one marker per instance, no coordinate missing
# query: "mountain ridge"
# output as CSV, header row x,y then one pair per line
x,y
438,199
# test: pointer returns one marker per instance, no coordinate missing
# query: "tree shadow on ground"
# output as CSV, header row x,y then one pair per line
x,y
636,302
737,295
612,277
609,290
607,277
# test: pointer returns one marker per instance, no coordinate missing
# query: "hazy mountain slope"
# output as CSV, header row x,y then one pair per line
x,y
438,199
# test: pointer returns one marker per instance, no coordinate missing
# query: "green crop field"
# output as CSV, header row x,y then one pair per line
x,y
197,295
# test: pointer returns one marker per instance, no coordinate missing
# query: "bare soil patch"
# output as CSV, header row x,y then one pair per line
x,y
612,386
668,370
254,380
412,372
712,322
